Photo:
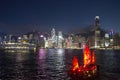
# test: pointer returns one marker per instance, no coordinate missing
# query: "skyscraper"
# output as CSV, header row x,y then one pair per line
x,y
53,37
97,32
60,39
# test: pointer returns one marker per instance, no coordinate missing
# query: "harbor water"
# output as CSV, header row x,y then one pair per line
x,y
53,64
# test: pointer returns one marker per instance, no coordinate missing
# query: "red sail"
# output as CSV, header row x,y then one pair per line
x,y
87,54
75,63
88,71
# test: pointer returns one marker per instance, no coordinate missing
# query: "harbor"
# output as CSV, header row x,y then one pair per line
x,y
55,64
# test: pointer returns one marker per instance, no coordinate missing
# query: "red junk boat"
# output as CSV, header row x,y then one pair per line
x,y
89,69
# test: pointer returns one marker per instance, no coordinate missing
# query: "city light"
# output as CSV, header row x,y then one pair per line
x,y
99,39
60,51
60,40
41,36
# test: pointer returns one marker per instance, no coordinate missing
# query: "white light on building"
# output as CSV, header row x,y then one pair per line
x,y
106,35
97,17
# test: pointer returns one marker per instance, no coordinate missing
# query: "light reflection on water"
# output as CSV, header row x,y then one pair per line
x,y
53,64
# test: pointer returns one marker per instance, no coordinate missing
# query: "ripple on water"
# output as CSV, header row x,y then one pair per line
x,y
52,65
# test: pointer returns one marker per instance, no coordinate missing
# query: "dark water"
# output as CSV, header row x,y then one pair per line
x,y
53,64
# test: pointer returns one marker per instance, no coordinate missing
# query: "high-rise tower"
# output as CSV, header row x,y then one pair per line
x,y
97,22
53,37
60,39
97,32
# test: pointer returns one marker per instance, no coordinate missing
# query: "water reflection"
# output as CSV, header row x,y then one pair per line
x,y
18,66
41,53
60,59
41,66
53,64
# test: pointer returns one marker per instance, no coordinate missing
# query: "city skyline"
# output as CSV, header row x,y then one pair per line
x,y
26,15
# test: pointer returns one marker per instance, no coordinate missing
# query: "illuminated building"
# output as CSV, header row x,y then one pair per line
x,y
25,39
111,35
10,38
76,41
46,43
30,36
53,38
42,41
33,37
107,42
97,32
50,44
19,39
69,42
60,39
116,39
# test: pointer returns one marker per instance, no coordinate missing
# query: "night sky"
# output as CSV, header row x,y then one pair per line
x,y
22,16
